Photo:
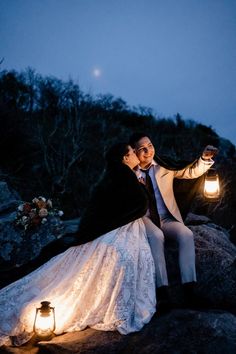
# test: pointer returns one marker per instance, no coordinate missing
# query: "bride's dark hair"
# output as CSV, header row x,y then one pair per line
x,y
115,154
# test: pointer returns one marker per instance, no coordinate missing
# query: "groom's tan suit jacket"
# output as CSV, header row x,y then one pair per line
x,y
165,178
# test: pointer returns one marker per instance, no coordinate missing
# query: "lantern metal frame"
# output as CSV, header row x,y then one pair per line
x,y
212,176
44,310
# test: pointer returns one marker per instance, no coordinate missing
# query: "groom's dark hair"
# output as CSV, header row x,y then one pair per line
x,y
135,137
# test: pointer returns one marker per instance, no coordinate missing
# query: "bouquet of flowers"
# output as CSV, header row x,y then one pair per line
x,y
30,215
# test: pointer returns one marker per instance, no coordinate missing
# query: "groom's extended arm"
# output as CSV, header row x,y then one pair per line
x,y
200,166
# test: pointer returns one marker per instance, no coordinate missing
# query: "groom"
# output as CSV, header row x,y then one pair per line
x,y
163,219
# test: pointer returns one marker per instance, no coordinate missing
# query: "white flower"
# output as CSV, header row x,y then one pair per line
x,y
49,203
21,207
24,218
42,198
44,220
60,213
35,200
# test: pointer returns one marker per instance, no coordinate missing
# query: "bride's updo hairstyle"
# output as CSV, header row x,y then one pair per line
x,y
115,154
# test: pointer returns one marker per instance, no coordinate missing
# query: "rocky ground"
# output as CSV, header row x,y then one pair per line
x,y
180,331
209,328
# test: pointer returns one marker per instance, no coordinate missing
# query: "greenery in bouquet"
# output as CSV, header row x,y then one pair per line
x,y
31,215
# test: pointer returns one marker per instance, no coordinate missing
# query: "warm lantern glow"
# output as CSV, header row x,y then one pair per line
x,y
212,185
44,323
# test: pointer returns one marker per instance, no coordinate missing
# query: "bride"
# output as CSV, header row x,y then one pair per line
x,y
106,281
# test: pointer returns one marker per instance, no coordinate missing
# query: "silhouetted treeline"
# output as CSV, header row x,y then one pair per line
x,y
53,137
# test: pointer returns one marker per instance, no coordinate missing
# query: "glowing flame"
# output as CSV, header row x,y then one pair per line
x,y
44,325
212,188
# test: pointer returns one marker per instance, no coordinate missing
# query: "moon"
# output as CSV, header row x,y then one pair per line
x,y
97,72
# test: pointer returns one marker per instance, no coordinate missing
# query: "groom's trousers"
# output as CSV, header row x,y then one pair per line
x,y
174,230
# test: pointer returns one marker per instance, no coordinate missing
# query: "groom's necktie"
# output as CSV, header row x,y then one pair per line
x,y
154,216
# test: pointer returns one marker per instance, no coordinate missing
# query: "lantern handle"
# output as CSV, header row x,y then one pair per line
x,y
37,310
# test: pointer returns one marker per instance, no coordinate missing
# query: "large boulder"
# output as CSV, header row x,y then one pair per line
x,y
9,199
180,331
215,264
23,251
19,247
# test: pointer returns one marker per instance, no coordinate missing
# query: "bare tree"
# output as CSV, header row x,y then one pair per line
x,y
60,129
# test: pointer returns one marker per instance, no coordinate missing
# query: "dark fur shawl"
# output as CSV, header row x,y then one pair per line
x,y
115,201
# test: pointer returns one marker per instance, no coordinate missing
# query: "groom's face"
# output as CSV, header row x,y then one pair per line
x,y
145,151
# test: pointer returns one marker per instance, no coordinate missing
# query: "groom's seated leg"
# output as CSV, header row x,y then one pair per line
x,y
156,242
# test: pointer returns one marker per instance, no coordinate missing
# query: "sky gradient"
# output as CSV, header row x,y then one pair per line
x,y
172,56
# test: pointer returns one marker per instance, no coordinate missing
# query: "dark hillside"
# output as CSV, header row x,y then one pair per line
x,y
53,137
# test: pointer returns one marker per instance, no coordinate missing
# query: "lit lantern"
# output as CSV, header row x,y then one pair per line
x,y
44,322
211,185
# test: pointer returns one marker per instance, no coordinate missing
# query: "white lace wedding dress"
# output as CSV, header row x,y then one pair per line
x,y
107,284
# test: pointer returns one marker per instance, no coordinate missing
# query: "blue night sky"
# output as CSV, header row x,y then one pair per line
x,y
169,55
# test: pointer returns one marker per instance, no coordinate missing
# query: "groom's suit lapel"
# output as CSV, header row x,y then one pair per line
x,y
164,180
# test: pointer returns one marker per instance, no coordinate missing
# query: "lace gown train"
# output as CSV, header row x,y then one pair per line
x,y
107,284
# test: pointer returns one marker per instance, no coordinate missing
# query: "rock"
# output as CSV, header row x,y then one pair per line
x,y
180,331
8,199
194,219
5,193
215,264
8,206
10,239
71,226
232,233
20,249
19,246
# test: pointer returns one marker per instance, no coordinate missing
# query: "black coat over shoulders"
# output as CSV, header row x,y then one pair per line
x,y
115,201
